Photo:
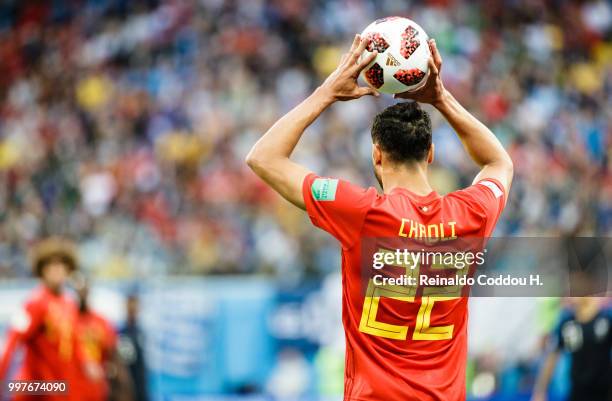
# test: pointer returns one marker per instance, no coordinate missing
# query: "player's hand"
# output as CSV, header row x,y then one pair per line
x,y
93,371
342,83
433,90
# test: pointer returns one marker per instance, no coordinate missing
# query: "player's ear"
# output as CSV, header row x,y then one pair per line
x,y
376,155
430,154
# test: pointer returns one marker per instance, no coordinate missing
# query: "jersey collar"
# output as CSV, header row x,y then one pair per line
x,y
433,195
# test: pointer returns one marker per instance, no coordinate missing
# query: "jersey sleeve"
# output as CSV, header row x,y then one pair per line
x,y
26,322
557,340
487,195
337,206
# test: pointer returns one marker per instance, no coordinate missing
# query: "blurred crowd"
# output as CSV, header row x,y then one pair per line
x,y
124,124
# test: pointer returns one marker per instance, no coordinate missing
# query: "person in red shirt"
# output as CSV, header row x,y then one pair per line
x,y
402,343
45,327
98,344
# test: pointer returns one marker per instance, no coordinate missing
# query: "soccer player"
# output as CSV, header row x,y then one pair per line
x,y
98,343
398,348
45,327
585,332
131,348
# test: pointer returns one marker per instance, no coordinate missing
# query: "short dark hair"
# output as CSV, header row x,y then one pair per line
x,y
403,132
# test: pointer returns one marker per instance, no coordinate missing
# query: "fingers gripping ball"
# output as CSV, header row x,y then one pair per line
x,y
402,61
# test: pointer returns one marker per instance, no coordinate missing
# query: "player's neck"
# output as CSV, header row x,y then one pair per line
x,y
413,178
587,310
55,290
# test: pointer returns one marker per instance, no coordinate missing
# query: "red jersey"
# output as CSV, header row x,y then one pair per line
x,y
400,346
46,329
97,340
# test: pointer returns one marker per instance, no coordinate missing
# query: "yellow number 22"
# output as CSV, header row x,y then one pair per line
x,y
422,331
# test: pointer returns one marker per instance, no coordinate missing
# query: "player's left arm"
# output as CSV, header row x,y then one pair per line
x,y
270,156
555,348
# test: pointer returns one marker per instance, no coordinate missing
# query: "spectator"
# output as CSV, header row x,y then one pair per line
x,y
126,124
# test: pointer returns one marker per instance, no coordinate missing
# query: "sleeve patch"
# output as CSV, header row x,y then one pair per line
x,y
324,189
493,187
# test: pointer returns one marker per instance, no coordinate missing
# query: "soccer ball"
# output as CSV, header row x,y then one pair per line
x,y
403,52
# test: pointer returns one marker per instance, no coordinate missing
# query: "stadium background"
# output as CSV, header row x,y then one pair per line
x,y
124,125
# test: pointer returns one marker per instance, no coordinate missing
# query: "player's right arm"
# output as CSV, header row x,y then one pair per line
x,y
481,144
555,346
24,324
541,387
13,339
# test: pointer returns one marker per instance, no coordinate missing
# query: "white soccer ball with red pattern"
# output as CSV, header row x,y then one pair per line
x,y
403,52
